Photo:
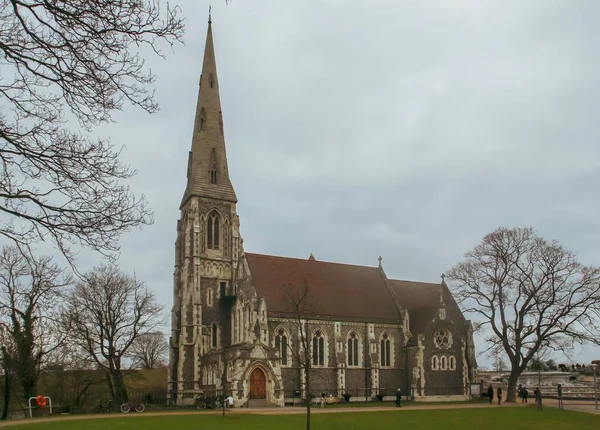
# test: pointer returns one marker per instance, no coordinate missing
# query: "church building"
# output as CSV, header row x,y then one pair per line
x,y
235,328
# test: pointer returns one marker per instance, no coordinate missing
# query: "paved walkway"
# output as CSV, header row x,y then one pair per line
x,y
575,405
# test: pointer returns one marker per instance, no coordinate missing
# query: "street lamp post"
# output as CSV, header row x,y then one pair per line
x,y
594,365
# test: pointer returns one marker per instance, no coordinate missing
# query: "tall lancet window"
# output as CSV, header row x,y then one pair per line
x,y
353,350
202,120
213,174
212,231
211,80
281,344
385,351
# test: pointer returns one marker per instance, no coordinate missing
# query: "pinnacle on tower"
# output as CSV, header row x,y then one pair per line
x,y
208,173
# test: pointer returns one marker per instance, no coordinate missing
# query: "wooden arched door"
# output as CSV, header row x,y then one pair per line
x,y
258,384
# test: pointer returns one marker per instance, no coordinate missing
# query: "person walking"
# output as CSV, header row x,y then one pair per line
x,y
538,398
525,395
399,398
499,394
520,391
491,393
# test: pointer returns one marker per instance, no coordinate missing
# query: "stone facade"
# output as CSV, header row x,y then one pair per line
x,y
366,335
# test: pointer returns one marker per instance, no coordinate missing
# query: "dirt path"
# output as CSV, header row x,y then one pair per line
x,y
273,411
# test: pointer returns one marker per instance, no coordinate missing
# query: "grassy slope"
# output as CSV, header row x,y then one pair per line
x,y
457,419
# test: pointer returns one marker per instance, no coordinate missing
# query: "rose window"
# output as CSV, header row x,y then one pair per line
x,y
442,339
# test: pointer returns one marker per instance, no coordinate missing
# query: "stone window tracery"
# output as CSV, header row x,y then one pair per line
x,y
281,344
318,348
442,339
212,230
353,356
385,350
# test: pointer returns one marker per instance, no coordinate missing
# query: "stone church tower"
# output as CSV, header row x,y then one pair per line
x,y
208,242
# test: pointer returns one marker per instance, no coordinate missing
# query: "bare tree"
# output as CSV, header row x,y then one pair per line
x,y
107,312
64,61
299,302
149,351
30,293
499,363
529,294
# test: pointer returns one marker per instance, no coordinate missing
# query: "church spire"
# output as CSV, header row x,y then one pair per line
x,y
208,174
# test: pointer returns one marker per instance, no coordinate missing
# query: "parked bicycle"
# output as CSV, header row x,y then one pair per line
x,y
127,407
208,402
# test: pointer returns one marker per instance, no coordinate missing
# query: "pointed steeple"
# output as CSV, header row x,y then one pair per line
x,y
208,174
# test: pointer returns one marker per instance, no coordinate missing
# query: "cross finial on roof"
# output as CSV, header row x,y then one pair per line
x,y
380,260
443,277
209,14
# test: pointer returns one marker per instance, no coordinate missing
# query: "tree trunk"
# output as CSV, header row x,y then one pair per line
x,y
109,384
308,398
119,386
7,385
511,392
28,384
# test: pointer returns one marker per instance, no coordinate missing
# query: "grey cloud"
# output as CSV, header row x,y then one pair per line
x,y
405,129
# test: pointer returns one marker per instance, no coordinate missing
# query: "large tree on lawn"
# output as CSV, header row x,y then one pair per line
x,y
528,294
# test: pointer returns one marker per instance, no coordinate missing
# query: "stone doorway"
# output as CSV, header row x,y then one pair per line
x,y
258,384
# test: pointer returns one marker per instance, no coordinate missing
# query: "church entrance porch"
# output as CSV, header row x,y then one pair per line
x,y
258,384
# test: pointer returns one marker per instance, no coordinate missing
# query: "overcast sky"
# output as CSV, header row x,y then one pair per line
x,y
406,129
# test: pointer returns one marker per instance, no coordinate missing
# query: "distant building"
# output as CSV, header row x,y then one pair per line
x,y
230,325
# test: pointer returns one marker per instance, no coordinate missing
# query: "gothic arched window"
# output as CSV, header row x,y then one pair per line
x,y
212,231
442,339
353,349
213,175
215,335
443,363
211,80
318,349
452,363
281,343
385,351
435,363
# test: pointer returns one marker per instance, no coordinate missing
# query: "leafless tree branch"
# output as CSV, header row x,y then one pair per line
x,y
63,61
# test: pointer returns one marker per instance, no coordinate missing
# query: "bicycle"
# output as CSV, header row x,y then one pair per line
x,y
126,407
204,402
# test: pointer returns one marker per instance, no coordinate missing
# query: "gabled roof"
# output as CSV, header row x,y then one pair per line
x,y
420,298
338,291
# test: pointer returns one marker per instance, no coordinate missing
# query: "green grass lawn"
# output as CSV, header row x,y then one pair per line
x,y
501,418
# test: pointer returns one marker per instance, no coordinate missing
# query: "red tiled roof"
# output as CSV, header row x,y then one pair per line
x,y
339,291
420,298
